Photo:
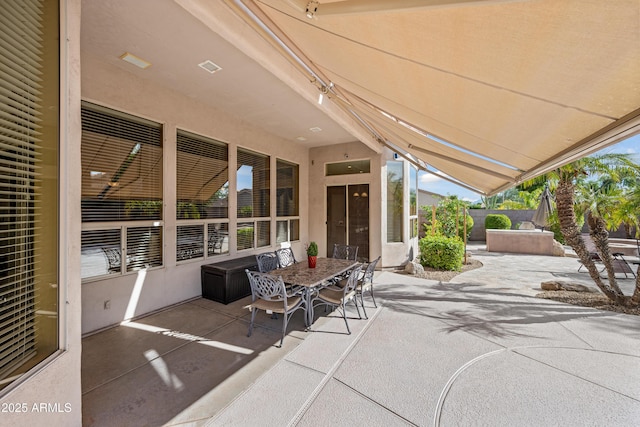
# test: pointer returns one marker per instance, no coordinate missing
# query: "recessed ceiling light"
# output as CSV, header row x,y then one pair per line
x,y
132,59
315,129
301,138
209,66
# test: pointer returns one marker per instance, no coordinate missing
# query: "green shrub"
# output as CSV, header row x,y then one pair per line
x,y
442,253
497,222
450,215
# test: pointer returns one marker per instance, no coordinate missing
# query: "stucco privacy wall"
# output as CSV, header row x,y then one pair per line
x,y
110,86
478,215
318,184
57,382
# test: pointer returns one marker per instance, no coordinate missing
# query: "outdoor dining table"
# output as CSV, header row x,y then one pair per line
x,y
310,279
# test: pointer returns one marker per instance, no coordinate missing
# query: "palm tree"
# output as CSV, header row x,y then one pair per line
x,y
565,179
627,210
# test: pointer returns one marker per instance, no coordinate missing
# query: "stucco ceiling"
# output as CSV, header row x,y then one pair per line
x,y
489,92
175,42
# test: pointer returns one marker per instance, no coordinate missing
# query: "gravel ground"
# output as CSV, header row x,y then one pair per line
x,y
584,299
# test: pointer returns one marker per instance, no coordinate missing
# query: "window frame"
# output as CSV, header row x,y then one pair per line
x,y
413,202
151,215
31,291
197,251
255,222
291,218
398,219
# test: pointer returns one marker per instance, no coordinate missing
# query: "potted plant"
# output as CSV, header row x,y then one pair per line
x,y
312,254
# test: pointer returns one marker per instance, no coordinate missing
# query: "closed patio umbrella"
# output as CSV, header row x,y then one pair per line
x,y
541,215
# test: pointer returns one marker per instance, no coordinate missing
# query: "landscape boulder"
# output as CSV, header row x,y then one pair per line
x,y
558,285
414,267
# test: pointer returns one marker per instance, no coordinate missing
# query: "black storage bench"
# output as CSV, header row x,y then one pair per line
x,y
227,281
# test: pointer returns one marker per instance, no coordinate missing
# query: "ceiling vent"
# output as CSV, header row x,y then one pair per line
x,y
209,66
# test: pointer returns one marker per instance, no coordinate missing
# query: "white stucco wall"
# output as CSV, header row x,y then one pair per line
x,y
112,87
51,392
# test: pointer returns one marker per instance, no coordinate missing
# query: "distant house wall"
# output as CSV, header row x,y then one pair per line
x,y
426,200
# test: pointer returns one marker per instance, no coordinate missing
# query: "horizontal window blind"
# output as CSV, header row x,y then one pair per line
x,y
245,234
144,247
288,190
253,184
190,242
202,188
121,166
264,233
218,241
27,129
121,182
101,252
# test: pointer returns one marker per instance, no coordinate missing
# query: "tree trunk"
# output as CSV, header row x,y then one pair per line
x,y
571,233
635,299
600,237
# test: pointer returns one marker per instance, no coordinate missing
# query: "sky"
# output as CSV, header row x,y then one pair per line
x,y
437,185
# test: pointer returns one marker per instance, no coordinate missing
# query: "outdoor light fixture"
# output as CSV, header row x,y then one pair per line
x,y
312,8
132,59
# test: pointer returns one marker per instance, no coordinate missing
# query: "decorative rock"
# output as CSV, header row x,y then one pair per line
x,y
414,268
558,249
557,285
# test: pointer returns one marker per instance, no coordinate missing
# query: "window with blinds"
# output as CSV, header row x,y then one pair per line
x,y
121,185
202,192
29,117
287,201
254,222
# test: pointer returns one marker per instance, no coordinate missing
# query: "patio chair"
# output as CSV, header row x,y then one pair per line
x,y
267,261
345,251
114,259
285,257
268,293
593,253
339,298
619,263
366,284
216,238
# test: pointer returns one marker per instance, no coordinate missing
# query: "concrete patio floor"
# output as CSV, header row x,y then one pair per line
x,y
478,350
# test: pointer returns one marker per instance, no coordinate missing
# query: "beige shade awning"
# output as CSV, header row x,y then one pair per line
x,y
488,92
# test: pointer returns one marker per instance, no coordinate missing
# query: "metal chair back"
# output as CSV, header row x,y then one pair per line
x,y
345,252
285,257
267,262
